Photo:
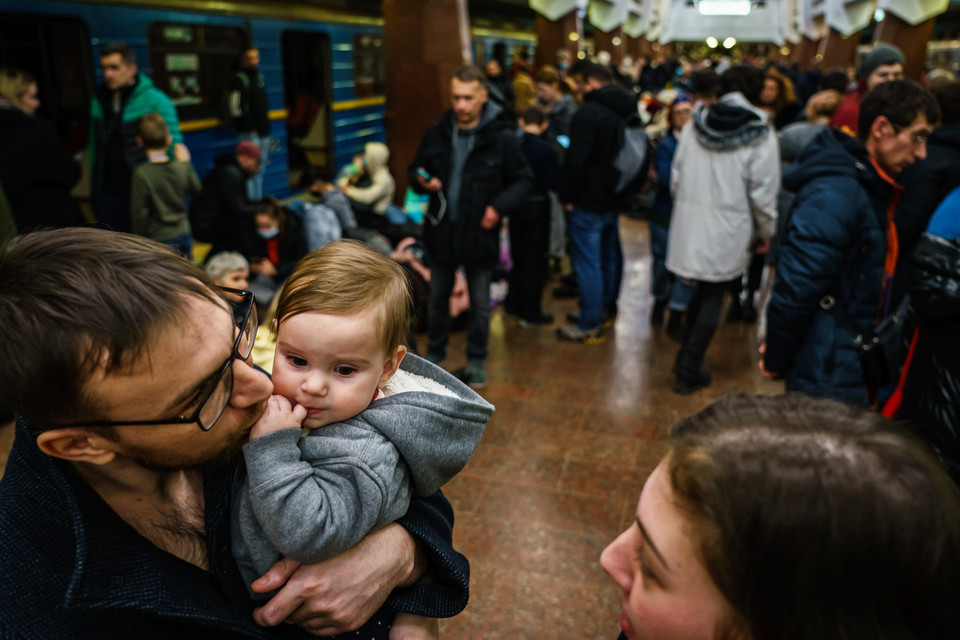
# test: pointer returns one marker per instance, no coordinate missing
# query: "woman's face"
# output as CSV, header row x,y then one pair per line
x,y
681,114
771,90
666,591
30,100
266,223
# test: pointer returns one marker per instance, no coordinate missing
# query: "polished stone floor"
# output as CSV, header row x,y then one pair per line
x,y
557,475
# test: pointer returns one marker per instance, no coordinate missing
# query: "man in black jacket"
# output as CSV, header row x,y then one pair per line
x,y
593,208
222,213
470,163
247,107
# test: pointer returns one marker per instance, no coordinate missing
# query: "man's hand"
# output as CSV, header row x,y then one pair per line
x,y
769,375
490,218
341,593
433,185
407,626
278,415
762,246
568,207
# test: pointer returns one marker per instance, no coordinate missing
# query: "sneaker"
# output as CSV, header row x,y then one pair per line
x,y
659,311
606,324
566,291
474,374
572,333
539,321
687,385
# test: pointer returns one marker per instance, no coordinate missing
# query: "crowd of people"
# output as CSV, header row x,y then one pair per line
x,y
289,488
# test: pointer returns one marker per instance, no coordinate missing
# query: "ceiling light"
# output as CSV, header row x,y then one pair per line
x,y
724,7
729,43
712,42
879,15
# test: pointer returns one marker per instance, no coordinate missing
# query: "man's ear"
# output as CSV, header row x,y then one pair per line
x,y
75,445
391,365
876,128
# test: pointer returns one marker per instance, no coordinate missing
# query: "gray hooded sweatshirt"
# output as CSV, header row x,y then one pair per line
x,y
310,498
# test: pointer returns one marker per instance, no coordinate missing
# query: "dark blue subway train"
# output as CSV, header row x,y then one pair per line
x,y
324,70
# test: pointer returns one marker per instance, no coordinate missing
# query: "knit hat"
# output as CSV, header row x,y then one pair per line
x,y
249,150
882,54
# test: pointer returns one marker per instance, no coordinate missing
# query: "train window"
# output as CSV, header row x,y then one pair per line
x,y
56,51
369,66
193,64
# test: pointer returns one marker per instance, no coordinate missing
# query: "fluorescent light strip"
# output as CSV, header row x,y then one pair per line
x,y
724,7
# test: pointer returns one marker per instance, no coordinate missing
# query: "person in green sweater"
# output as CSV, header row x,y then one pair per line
x,y
159,190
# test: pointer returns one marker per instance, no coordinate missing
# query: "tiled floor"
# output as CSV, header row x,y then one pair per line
x,y
561,465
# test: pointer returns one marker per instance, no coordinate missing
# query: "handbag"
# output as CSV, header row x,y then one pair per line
x,y
883,350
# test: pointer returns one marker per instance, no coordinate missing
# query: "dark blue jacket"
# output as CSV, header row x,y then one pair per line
x,y
663,201
72,568
835,244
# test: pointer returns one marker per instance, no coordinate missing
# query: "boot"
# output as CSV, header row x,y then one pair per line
x,y
656,316
675,324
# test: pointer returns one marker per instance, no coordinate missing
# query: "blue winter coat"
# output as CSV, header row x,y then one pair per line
x,y
836,245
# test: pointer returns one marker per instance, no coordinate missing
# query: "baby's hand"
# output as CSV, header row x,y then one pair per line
x,y
278,415
407,626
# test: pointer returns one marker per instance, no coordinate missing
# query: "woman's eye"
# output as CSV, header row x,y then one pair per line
x,y
344,370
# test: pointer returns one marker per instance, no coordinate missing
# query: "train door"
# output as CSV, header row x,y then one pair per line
x,y
56,51
306,76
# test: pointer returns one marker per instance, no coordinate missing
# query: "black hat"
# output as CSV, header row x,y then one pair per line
x,y
882,54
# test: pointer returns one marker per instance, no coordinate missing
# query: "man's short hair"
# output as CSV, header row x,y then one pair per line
x,y
598,72
348,277
548,75
900,102
73,300
153,131
533,115
744,78
470,73
704,83
948,99
835,79
578,68
126,53
220,264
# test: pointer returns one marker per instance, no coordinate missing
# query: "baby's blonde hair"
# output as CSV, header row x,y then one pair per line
x,y
348,277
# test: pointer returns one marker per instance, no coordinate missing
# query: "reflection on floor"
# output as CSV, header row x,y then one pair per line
x,y
561,465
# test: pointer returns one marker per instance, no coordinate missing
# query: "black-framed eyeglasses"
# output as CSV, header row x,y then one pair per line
x,y
215,399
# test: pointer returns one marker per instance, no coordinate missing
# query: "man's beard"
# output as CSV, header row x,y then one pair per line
x,y
228,455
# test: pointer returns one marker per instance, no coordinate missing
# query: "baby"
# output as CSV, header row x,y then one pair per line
x,y
378,425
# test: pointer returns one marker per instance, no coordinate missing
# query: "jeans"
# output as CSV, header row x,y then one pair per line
x,y
597,261
183,245
255,182
702,318
478,318
682,293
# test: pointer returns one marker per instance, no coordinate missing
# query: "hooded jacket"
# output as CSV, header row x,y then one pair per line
x,y
379,194
495,174
835,244
221,214
589,179
725,177
113,148
36,173
309,498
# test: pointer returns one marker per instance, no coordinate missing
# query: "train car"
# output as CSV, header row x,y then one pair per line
x,y
324,70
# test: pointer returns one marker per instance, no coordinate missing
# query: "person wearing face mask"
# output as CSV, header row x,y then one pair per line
x,y
273,246
735,533
36,172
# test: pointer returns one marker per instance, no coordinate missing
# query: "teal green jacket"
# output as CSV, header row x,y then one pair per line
x,y
143,98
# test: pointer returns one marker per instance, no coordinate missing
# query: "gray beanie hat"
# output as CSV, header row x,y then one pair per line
x,y
882,54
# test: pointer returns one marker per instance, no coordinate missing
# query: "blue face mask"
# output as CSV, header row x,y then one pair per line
x,y
266,235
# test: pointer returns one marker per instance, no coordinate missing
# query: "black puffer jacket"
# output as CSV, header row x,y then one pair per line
x,y
931,395
589,179
221,214
495,174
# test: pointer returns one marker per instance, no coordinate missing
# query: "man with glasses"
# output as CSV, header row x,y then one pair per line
x,y
839,249
130,373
